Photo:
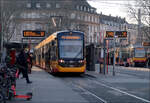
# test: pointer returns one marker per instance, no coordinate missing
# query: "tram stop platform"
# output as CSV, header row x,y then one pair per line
x,y
46,89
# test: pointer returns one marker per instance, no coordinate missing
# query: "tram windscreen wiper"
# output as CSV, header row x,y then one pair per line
x,y
80,52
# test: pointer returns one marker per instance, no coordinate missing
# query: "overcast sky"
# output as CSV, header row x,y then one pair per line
x,y
113,7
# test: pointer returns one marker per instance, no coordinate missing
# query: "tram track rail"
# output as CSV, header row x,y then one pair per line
x,y
103,100
103,83
133,74
95,94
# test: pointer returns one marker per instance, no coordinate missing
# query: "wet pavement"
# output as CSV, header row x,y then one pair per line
x,y
132,80
46,89
91,87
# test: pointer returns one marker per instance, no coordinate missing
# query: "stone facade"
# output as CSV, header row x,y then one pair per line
x,y
67,14
55,15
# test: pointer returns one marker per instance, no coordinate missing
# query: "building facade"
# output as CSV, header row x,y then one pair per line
x,y
51,16
56,15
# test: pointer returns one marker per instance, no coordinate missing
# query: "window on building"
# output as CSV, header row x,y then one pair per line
x,y
77,7
81,8
78,16
92,28
84,8
111,24
85,18
92,10
48,5
95,20
73,15
28,5
98,20
38,5
82,17
57,5
88,9
92,19
29,15
89,18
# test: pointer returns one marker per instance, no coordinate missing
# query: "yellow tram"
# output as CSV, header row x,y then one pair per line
x,y
62,51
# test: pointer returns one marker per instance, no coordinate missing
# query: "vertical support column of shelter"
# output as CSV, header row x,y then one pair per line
x,y
21,43
139,37
114,58
107,54
104,56
92,58
2,34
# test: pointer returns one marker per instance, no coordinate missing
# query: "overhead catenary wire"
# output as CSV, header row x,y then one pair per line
x,y
114,4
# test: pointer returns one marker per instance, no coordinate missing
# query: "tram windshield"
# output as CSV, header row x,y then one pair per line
x,y
139,53
71,49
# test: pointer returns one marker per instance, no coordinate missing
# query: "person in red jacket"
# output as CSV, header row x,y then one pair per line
x,y
13,56
29,60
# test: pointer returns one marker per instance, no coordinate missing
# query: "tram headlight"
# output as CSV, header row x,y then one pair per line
x,y
81,61
61,61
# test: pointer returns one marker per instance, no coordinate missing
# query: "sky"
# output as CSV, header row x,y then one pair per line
x,y
113,7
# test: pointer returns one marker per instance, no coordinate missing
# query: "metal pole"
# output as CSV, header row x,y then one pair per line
x,y
107,54
2,40
114,59
21,43
139,38
104,55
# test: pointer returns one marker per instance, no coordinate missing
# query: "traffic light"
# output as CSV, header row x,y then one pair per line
x,y
121,33
109,34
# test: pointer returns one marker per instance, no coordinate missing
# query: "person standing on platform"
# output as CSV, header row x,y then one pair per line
x,y
29,60
23,65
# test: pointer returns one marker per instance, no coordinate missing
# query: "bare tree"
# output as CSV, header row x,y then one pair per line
x,y
9,10
144,7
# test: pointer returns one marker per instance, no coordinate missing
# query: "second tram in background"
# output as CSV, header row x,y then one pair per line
x,y
137,57
62,52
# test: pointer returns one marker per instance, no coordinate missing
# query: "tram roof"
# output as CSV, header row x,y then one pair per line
x,y
52,37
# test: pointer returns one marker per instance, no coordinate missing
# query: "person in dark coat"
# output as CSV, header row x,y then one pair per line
x,y
29,60
23,65
148,61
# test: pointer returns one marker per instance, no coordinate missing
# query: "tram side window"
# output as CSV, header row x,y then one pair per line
x,y
53,53
45,52
48,53
132,53
42,52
